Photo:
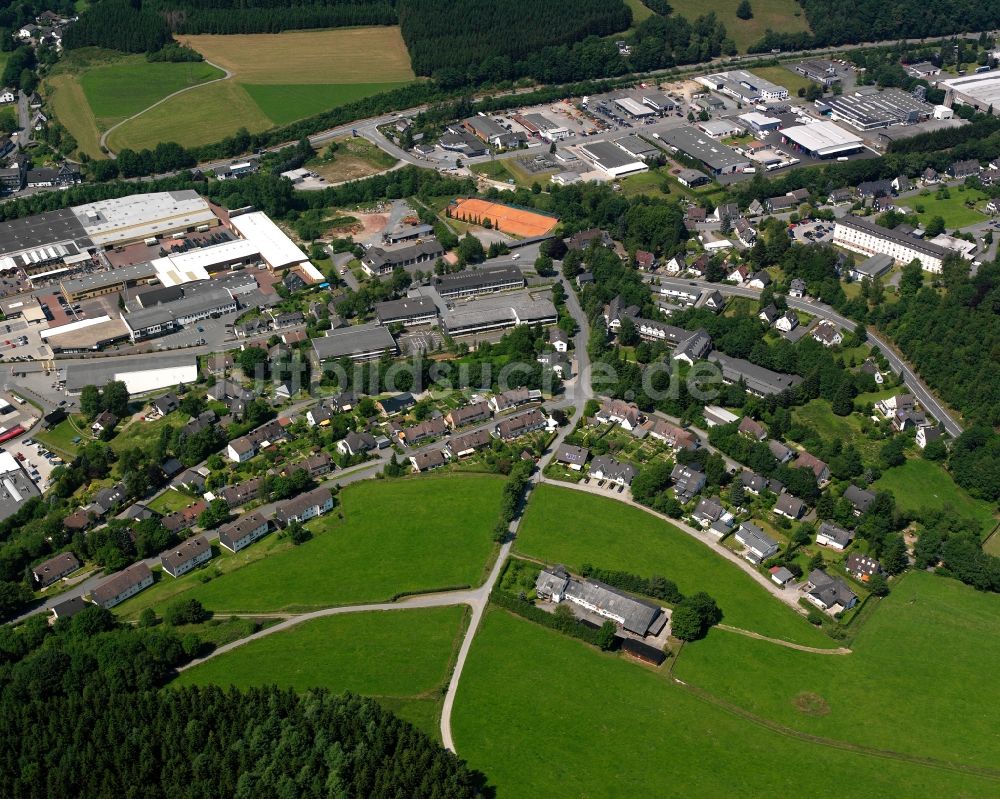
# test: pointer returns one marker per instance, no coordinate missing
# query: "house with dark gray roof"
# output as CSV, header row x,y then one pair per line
x,y
428,459
709,510
243,532
687,481
759,546
572,457
829,593
604,467
830,535
466,444
859,498
304,507
790,507
356,444
54,569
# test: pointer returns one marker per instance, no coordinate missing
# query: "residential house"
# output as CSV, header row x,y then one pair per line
x,y
926,434
677,438
591,236
356,444
315,465
819,469
859,498
519,425
462,445
964,169
745,232
694,348
107,499
930,175
841,196
759,280
889,406
715,301
797,288
781,453
168,403
827,334
709,510
645,260
829,593
304,507
830,535
468,414
121,586
186,556
758,546
787,322
739,274
240,450
752,482
752,429
185,518
675,265
769,315
192,480
604,467
390,406
687,482
171,467
54,569
730,211
67,609
875,188
428,459
105,421
319,416
571,457
241,493
509,400
243,532
558,339
862,567
429,428
790,507
620,412
78,520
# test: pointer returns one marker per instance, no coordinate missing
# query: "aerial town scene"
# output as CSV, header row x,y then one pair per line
x,y
410,398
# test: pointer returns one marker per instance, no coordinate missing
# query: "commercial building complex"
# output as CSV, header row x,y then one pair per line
x,y
981,91
822,140
867,110
716,157
611,159
744,86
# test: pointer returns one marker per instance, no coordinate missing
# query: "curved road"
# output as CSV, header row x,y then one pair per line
x,y
897,364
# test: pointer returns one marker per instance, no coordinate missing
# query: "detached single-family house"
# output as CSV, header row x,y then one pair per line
x,y
926,434
820,470
428,459
826,333
862,567
105,421
709,510
797,288
790,507
859,498
829,593
752,429
572,457
759,546
356,444
687,481
787,322
604,467
830,535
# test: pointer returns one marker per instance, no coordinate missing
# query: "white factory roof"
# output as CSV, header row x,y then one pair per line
x,y
634,107
72,327
126,219
8,463
312,272
273,245
179,268
822,138
142,381
984,87
758,119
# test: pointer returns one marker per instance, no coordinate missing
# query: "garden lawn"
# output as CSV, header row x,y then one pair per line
x,y
569,527
779,15
287,103
136,433
542,714
409,535
60,438
118,91
952,210
171,500
401,655
924,485
818,415
919,681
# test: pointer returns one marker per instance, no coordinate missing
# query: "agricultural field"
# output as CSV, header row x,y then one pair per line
x,y
953,209
924,485
918,679
565,526
401,657
778,15
69,103
275,79
578,722
384,538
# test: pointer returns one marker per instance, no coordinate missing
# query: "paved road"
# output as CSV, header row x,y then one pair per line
x,y
920,390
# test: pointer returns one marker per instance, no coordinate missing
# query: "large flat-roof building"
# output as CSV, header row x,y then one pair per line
x,y
819,71
496,314
407,311
16,487
140,374
822,139
357,342
270,242
37,237
110,281
484,280
981,91
867,110
744,86
124,220
865,237
611,159
159,320
715,156
634,108
758,380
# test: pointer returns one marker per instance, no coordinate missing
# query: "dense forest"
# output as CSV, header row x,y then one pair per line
x,y
443,35
82,715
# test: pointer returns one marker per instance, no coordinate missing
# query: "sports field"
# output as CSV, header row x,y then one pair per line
x,y
403,657
779,15
924,485
543,714
275,79
919,681
406,535
502,217
569,527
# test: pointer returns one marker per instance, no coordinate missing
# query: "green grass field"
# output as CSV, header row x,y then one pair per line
x,y
65,95
284,104
404,656
952,210
141,434
779,15
405,535
542,714
172,500
924,485
117,91
566,526
919,680
791,80
60,438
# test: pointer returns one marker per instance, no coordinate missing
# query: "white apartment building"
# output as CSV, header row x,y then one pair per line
x,y
865,237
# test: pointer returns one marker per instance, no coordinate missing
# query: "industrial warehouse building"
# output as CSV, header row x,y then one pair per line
x,y
744,86
715,156
611,159
981,91
868,110
822,140
863,236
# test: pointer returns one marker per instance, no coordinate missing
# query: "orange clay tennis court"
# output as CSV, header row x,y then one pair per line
x,y
502,217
